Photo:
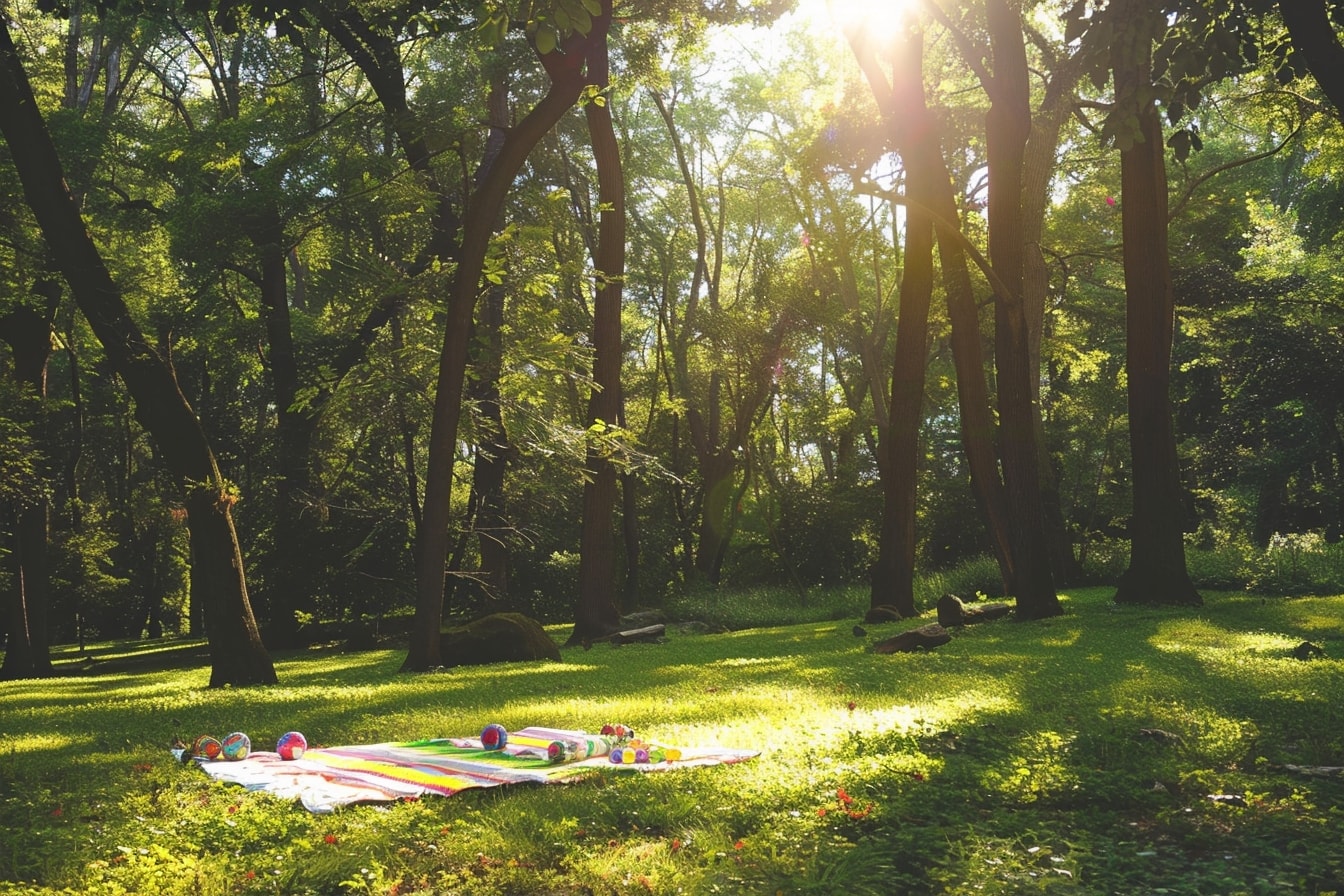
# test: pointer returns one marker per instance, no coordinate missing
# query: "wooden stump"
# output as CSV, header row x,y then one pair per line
x,y
924,637
952,611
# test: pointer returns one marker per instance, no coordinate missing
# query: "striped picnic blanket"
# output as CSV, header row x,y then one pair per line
x,y
329,777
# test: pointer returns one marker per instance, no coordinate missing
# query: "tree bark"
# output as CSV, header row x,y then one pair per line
x,y
1313,34
893,575
483,209
926,166
1007,126
494,451
1038,173
596,613
238,656
27,655
1157,572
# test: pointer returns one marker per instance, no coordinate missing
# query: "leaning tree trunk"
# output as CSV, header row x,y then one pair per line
x,y
483,209
596,613
1314,36
1157,572
238,656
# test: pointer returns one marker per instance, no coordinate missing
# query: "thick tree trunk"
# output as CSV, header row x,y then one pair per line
x,y
27,654
292,574
237,653
927,168
1157,572
483,210
1038,173
894,574
1007,126
596,613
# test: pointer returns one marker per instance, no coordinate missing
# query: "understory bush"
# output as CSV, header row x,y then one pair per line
x,y
1291,564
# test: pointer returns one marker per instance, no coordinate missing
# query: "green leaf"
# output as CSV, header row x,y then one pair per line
x,y
547,40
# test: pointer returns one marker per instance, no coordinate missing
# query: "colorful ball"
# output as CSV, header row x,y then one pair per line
x,y
291,745
494,737
206,747
236,746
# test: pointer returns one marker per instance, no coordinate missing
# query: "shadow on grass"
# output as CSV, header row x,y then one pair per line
x,y
1078,753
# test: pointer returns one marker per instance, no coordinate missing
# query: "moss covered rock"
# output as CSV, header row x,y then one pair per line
x,y
497,638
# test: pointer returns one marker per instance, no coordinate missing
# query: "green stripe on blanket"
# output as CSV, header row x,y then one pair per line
x,y
324,779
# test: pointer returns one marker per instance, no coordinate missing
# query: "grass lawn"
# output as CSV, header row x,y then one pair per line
x,y
1109,751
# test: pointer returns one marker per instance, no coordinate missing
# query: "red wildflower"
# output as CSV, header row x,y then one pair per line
x,y
821,813
330,839
676,843
57,812
250,875
739,844
845,799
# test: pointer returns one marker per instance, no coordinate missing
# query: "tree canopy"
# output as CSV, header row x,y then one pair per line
x,y
335,321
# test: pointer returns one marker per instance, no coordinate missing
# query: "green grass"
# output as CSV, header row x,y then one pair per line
x,y
1011,760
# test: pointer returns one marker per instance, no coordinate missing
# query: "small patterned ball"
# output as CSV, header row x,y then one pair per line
x,y
206,747
494,737
291,745
236,746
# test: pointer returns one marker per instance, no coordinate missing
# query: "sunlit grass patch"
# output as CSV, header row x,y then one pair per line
x,y
1111,750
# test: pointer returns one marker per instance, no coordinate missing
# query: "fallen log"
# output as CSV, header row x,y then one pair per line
x,y
649,634
953,611
925,637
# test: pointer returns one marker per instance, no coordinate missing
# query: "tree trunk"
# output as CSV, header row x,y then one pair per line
x,y
1007,126
894,574
493,454
293,564
27,654
977,424
596,614
1157,572
1313,34
237,653
1038,173
483,209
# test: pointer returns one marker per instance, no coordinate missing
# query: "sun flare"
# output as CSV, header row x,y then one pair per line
x,y
878,19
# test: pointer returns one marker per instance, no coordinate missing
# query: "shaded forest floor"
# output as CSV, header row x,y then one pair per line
x,y
1111,750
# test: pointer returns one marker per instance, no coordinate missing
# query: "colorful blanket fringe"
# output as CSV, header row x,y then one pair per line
x,y
327,778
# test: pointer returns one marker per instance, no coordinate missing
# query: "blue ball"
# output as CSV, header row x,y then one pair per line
x,y
236,746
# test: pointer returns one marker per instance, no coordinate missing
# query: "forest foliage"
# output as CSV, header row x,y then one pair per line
x,y
284,196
